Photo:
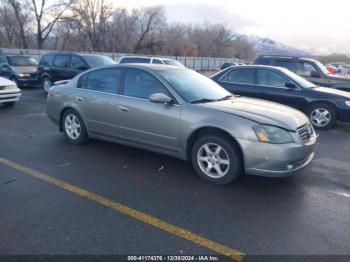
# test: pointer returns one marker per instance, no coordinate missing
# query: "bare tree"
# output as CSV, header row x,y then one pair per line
x,y
92,17
47,13
150,20
22,18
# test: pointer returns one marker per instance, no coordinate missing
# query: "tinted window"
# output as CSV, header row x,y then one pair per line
x,y
98,60
135,60
141,84
104,80
61,61
77,63
283,63
156,61
305,68
271,78
46,59
243,76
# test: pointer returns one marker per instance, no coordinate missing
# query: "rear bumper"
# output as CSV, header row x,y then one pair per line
x,y
276,160
25,82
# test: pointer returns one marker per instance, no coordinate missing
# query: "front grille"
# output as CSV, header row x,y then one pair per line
x,y
306,132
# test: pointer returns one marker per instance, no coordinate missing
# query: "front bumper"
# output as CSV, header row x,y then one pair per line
x,y
276,160
9,95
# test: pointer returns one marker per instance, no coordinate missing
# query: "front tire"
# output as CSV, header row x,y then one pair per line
x,y
216,159
74,128
322,116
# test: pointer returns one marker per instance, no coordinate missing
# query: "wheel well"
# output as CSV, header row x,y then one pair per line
x,y
324,102
61,115
210,131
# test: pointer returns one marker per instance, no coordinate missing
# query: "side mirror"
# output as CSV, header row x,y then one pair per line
x,y
315,74
290,85
160,98
82,68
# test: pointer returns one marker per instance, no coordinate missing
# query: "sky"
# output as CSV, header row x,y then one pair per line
x,y
318,26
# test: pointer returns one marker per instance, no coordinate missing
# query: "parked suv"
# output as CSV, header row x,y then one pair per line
x,y
20,69
62,66
149,60
311,69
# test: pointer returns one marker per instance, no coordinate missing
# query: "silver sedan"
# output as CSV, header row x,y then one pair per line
x,y
184,114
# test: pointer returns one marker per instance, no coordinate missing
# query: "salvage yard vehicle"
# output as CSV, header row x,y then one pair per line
x,y
64,66
181,113
149,60
21,69
9,92
310,69
324,106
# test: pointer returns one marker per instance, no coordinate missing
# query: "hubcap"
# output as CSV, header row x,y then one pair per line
x,y
72,127
213,160
320,117
47,85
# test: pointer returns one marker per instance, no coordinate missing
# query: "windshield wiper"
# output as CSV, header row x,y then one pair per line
x,y
203,100
226,98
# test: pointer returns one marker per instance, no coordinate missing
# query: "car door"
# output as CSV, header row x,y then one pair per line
x,y
97,97
142,121
279,88
60,68
240,81
5,70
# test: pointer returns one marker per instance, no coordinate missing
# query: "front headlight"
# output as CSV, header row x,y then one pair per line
x,y
272,134
347,103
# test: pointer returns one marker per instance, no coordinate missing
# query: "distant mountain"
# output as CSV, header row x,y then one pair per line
x,y
267,46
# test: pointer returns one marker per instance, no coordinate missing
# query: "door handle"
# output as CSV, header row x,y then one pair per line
x,y
123,108
79,99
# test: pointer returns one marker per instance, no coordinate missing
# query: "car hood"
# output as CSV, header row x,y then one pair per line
x,y
332,91
24,69
263,112
6,82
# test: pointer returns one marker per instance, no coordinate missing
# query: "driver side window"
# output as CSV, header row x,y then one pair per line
x,y
271,78
141,84
305,69
76,63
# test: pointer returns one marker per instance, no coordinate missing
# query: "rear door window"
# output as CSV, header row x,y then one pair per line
x,y
61,61
46,60
156,61
240,76
271,78
102,80
3,61
77,63
283,63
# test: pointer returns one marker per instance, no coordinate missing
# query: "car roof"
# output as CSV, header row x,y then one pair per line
x,y
149,57
256,66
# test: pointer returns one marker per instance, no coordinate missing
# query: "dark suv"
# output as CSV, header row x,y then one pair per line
x,y
20,69
311,69
63,66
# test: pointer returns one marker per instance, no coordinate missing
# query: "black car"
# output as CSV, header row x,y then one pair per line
x,y
311,69
21,69
324,106
63,66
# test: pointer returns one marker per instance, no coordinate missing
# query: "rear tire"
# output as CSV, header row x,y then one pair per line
x,y
216,159
74,128
47,83
9,104
322,116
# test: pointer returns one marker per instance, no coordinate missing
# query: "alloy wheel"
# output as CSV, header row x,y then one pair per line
x,y
72,127
320,117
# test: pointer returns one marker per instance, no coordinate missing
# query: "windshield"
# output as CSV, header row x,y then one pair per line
x,y
193,87
173,63
300,80
22,61
96,60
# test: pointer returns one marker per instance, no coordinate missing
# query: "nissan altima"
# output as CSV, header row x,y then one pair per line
x,y
181,113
